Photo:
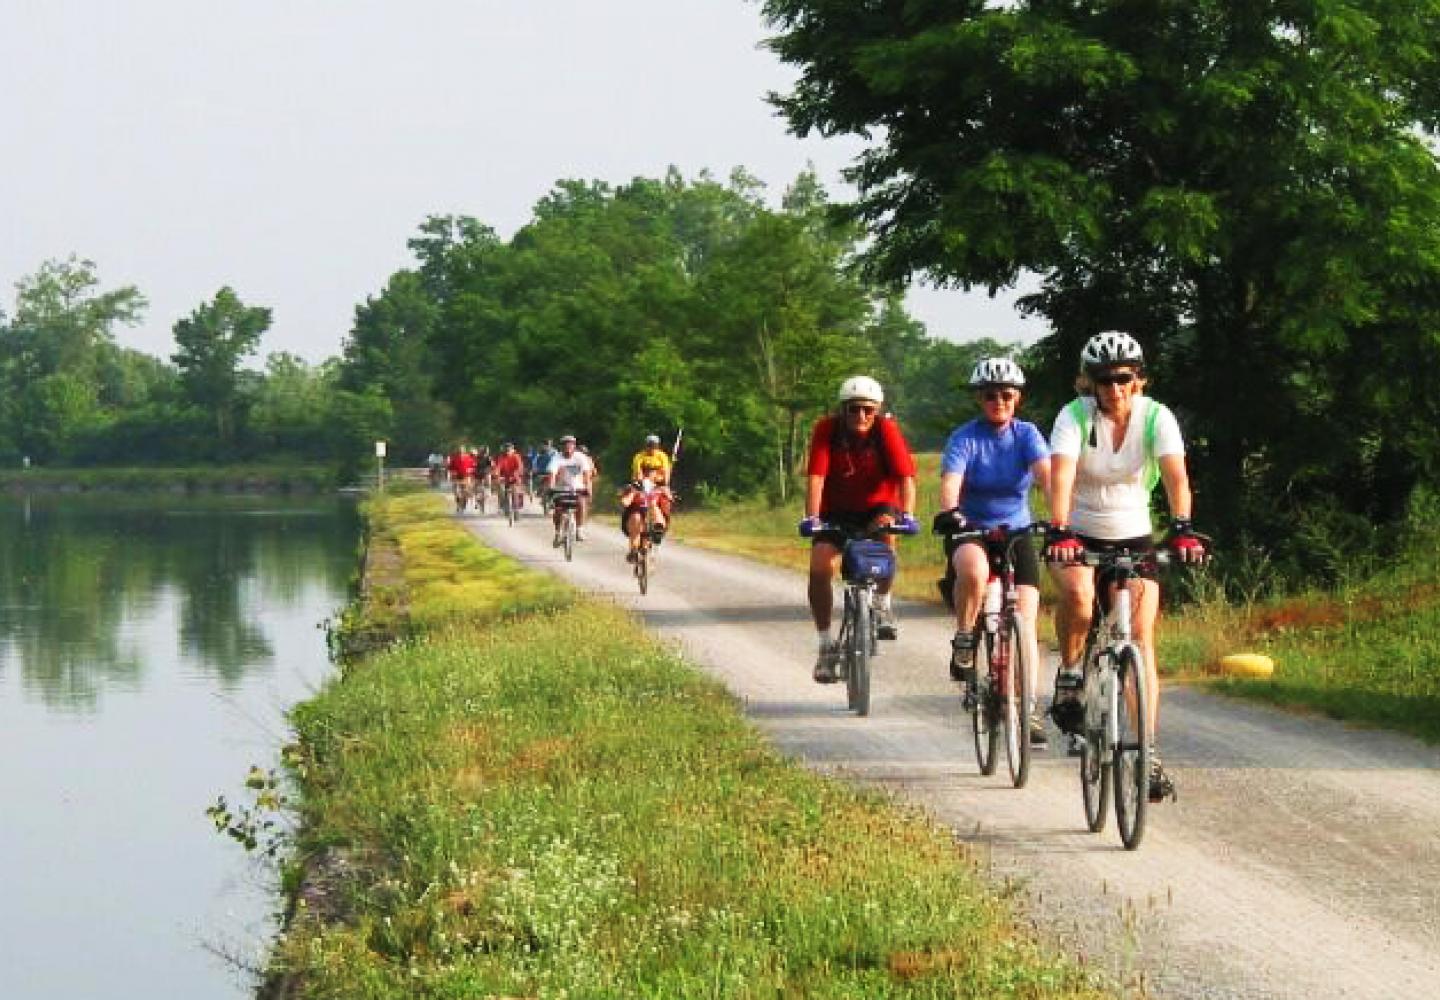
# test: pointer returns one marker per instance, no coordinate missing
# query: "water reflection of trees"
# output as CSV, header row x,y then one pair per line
x,y
84,582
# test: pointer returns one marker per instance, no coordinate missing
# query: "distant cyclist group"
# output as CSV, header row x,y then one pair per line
x,y
544,472
1108,449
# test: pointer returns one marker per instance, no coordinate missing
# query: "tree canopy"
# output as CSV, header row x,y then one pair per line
x,y
1245,186
663,303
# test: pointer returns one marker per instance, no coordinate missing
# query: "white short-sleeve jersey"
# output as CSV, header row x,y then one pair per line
x,y
570,473
1111,498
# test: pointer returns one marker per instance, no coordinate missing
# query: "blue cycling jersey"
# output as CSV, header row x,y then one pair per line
x,y
996,469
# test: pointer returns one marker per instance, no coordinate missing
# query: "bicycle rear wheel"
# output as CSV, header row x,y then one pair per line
x,y
1017,700
857,679
985,717
1132,750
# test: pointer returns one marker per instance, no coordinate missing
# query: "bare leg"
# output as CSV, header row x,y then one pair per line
x,y
1073,609
823,558
1145,611
972,572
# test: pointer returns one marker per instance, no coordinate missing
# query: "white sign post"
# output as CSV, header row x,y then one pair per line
x,y
380,466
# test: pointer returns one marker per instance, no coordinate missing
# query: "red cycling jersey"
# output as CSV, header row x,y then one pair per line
x,y
860,473
461,465
510,467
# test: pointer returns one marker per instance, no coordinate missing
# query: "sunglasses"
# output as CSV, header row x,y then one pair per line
x,y
1000,395
855,409
1119,378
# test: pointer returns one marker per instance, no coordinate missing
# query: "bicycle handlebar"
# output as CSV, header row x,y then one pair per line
x,y
997,532
817,527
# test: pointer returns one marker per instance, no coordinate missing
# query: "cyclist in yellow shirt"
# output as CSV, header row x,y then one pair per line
x,y
650,459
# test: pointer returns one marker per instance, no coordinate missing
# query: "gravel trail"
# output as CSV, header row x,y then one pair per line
x,y
1302,859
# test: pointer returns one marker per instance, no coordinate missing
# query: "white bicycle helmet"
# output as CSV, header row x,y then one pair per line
x,y
860,387
997,371
1111,348
652,439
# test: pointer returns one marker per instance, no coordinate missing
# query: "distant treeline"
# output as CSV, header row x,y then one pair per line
x,y
660,304
616,312
69,395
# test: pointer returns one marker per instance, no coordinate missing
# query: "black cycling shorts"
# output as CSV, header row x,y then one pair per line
x,y
1022,553
850,524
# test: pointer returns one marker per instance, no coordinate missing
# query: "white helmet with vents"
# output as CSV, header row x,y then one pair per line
x,y
997,371
1111,348
860,387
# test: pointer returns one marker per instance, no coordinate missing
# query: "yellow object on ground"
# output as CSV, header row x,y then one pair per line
x,y
1247,665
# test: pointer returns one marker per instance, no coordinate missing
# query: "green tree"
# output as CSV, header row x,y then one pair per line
x,y
390,348
1245,186
289,407
213,340
55,354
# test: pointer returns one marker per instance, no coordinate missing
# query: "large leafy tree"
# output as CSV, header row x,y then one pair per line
x,y
1244,185
390,350
213,340
56,355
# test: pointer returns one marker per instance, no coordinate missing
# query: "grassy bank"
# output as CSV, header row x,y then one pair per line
x,y
553,805
1368,652
189,479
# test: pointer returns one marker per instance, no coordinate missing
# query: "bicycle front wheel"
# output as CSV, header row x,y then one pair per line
x,y
1132,749
1095,779
985,717
1017,700
642,567
857,680
569,537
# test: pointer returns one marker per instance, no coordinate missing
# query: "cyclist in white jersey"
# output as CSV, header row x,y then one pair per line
x,y
1108,449
570,469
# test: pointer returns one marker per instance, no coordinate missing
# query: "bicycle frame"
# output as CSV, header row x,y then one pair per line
x,y
1115,667
858,637
1004,694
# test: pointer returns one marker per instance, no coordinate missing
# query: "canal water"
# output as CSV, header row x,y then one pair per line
x,y
149,650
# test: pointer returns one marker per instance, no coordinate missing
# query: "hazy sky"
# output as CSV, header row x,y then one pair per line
x,y
288,148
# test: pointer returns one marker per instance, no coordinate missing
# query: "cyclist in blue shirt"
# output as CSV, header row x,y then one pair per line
x,y
986,473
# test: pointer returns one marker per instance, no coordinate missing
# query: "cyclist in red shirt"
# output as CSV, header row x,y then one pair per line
x,y
461,465
860,476
510,472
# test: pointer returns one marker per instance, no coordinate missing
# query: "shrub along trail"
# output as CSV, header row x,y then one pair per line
x,y
1301,860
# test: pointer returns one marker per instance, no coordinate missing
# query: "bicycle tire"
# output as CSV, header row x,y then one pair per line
x,y
984,718
857,679
1131,753
569,536
642,567
1018,700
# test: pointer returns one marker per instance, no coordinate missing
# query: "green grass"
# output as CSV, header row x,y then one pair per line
x,y
557,806
1368,652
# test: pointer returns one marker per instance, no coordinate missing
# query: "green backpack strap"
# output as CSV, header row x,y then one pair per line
x,y
1152,461
1080,413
